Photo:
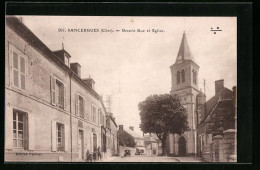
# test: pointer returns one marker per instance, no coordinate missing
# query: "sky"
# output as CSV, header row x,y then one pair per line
x,y
131,66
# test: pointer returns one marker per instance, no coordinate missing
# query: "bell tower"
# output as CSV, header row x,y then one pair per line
x,y
184,71
184,74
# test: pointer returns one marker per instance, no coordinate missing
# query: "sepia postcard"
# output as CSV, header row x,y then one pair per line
x,y
120,89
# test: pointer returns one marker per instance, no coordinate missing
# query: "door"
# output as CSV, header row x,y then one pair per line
x,y
182,146
81,145
94,142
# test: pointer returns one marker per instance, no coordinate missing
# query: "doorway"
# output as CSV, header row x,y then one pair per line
x,y
182,146
81,145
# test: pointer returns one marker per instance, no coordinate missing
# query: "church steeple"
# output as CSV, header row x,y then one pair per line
x,y
184,51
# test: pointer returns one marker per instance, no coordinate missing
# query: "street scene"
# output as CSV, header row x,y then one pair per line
x,y
156,159
120,89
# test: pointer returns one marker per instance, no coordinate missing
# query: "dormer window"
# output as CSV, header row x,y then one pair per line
x,y
66,60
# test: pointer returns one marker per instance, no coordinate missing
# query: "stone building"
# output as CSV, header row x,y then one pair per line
x,y
129,138
111,135
216,125
51,113
184,74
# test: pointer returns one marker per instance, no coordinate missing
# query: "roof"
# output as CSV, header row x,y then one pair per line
x,y
184,51
25,33
133,133
224,94
223,107
62,51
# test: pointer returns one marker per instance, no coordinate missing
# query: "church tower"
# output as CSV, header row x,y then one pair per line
x,y
184,73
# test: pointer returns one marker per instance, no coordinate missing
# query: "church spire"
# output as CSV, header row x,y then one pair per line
x,y
184,51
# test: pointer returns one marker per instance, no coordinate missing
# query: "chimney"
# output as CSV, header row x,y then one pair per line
x,y
121,127
131,128
219,85
76,68
90,82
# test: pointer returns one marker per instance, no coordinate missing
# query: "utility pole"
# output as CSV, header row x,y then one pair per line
x,y
109,103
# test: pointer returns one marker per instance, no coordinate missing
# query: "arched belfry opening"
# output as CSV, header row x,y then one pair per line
x,y
182,146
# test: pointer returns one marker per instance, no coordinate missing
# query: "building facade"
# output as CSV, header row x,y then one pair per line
x,y
184,74
111,135
216,125
51,113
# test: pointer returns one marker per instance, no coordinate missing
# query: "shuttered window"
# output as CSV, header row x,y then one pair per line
x,y
58,93
60,136
20,134
94,114
80,106
18,68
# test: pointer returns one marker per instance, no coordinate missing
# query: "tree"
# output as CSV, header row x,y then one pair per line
x,y
163,114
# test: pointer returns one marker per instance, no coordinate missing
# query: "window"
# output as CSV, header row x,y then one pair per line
x,y
66,61
18,69
194,76
178,77
58,93
94,141
94,114
19,129
183,76
60,137
80,105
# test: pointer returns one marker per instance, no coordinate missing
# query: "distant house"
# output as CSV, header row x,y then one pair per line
x,y
129,138
152,145
216,117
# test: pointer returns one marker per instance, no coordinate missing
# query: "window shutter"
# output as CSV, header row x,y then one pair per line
x,y
53,136
22,72
10,65
77,104
31,129
66,137
53,83
84,110
8,127
65,97
26,132
15,69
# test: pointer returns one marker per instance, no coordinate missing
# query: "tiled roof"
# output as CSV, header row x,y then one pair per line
x,y
211,103
220,110
133,133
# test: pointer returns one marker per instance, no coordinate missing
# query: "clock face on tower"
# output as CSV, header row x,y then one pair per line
x,y
179,59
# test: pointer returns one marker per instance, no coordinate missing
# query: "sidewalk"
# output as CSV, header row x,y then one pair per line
x,y
109,159
188,159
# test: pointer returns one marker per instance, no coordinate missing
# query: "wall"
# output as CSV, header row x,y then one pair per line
x,y
221,149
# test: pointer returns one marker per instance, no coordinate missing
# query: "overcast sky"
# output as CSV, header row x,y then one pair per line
x,y
138,63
